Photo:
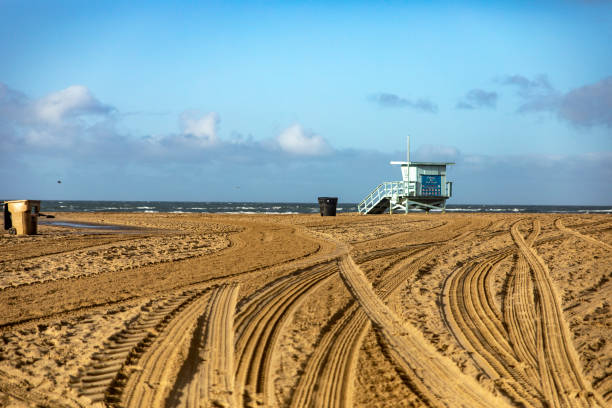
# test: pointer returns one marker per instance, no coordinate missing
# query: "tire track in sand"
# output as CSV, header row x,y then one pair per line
x,y
560,371
473,318
327,380
328,376
520,312
258,324
247,253
437,379
95,381
148,381
561,227
211,381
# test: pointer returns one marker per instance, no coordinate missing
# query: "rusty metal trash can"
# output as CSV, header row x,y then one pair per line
x,y
21,216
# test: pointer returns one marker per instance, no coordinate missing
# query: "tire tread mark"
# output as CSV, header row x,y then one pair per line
x,y
94,380
258,324
487,346
331,367
328,377
438,379
556,354
519,307
561,227
147,378
212,383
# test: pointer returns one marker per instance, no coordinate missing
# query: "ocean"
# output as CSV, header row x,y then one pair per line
x,y
285,208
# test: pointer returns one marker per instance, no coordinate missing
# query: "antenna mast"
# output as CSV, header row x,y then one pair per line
x,y
408,150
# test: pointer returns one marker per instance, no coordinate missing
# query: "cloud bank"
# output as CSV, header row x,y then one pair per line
x,y
72,121
77,137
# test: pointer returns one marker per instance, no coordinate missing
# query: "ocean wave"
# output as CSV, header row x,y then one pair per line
x,y
260,212
609,211
292,208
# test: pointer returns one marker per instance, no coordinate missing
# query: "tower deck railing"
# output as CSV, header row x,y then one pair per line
x,y
396,192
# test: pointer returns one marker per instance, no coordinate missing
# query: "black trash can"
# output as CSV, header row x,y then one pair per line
x,y
327,205
8,224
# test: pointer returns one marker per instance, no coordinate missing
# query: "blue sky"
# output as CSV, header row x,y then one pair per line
x,y
285,101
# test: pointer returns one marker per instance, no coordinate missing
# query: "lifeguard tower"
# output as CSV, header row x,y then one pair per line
x,y
423,187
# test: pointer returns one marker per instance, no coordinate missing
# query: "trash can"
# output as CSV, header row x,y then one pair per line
x,y
8,224
22,217
327,205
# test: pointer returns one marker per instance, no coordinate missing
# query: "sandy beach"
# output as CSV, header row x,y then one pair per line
x,y
439,310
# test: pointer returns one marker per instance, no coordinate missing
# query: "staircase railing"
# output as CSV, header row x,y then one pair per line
x,y
388,189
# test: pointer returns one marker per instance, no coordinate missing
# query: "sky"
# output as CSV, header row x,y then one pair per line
x,y
287,101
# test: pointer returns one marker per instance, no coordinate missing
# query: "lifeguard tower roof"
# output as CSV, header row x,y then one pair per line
x,y
421,163
423,187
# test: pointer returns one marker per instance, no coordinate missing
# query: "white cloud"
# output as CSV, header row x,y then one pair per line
x,y
53,121
203,129
296,141
72,101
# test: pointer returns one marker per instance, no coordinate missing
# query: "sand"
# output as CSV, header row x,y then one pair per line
x,y
302,310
